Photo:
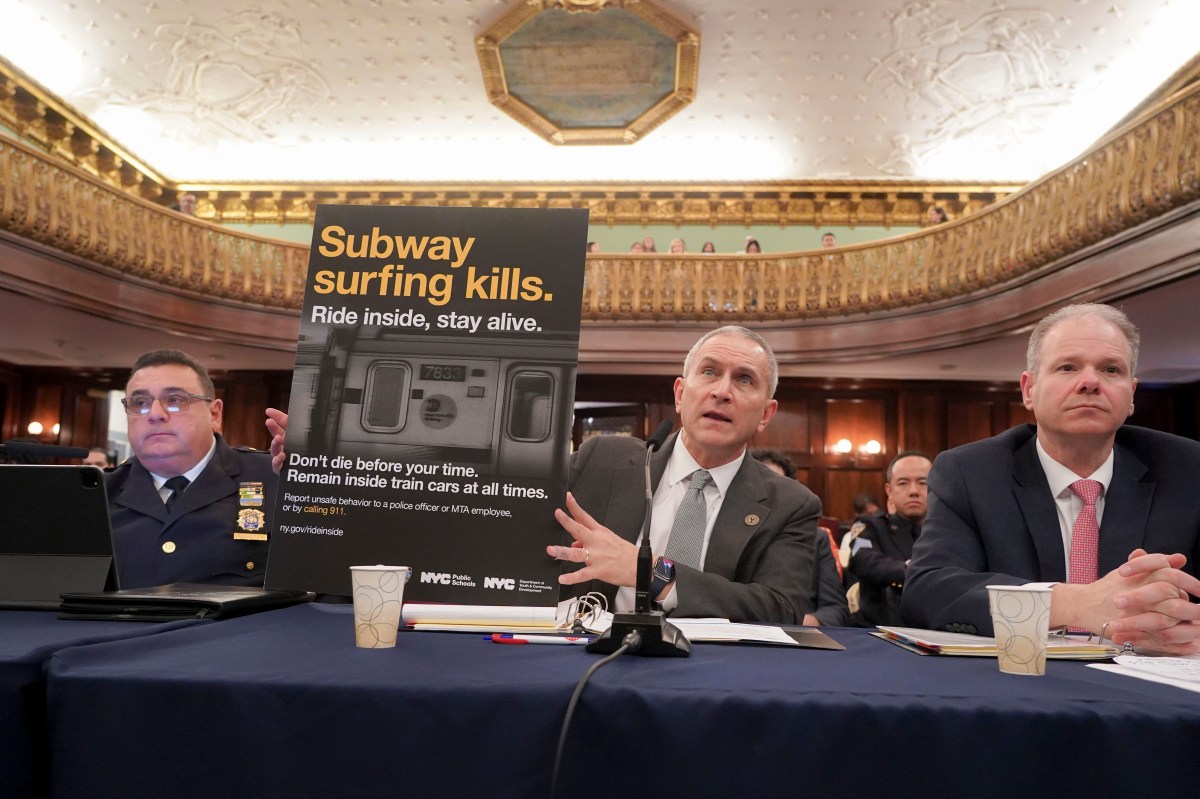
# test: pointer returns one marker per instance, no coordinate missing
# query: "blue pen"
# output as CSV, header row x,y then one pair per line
x,y
505,638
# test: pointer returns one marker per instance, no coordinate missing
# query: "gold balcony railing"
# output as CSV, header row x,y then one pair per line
x,y
1144,170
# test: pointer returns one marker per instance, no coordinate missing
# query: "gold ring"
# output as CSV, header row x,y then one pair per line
x,y
586,555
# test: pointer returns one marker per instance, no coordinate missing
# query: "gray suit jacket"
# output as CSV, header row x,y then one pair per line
x,y
992,520
759,563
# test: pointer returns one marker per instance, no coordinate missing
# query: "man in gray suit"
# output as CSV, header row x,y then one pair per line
x,y
1104,513
751,558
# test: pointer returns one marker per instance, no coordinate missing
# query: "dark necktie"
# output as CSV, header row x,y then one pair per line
x,y
177,485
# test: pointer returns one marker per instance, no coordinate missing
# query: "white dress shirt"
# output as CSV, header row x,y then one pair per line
x,y
667,497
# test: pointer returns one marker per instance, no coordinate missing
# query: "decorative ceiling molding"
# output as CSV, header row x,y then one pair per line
x,y
807,204
386,92
588,72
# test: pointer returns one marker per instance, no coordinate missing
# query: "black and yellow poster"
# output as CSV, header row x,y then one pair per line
x,y
431,405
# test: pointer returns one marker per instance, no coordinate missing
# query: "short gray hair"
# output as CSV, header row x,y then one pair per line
x,y
744,332
1115,317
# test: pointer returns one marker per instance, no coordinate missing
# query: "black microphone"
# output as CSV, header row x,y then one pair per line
x,y
34,450
648,631
645,556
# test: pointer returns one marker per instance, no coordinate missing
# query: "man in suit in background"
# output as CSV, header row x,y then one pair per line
x,y
1106,514
750,557
186,507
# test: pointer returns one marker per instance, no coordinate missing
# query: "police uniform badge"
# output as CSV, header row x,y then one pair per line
x,y
251,521
856,531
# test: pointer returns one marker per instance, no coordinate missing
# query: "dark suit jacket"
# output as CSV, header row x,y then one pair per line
x,y
992,520
759,563
828,600
201,524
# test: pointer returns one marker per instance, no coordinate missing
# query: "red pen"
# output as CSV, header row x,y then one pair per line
x,y
504,638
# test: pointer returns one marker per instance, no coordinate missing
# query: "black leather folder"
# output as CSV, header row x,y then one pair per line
x,y
177,601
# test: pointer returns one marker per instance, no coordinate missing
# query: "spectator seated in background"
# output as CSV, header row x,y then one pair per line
x,y
678,246
827,606
882,545
98,457
1103,512
708,247
828,240
186,507
752,245
865,504
937,215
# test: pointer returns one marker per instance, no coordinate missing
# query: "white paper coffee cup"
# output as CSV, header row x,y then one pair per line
x,y
378,601
1021,618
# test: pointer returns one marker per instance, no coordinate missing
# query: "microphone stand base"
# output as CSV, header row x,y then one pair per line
x,y
660,638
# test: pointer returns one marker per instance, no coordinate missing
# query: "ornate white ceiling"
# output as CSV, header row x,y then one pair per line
x,y
307,90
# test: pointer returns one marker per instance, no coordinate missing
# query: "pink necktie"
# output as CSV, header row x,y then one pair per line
x,y
1085,535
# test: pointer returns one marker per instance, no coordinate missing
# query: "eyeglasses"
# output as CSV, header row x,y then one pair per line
x,y
174,402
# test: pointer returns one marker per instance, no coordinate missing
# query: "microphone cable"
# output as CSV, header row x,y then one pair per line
x,y
631,643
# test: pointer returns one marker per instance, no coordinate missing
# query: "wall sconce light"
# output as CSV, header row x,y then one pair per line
x,y
37,428
868,449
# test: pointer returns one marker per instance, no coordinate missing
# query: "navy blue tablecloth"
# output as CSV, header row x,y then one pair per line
x,y
27,640
282,704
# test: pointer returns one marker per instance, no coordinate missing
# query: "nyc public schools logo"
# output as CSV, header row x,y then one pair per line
x,y
441,578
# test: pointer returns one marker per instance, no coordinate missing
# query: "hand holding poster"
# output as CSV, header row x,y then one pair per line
x,y
431,403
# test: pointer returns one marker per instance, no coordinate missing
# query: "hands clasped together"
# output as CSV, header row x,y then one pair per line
x,y
1144,602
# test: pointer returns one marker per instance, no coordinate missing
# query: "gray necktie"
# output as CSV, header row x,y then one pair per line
x,y
691,517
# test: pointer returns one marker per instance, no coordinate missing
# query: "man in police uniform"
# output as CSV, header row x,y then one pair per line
x,y
186,507
882,545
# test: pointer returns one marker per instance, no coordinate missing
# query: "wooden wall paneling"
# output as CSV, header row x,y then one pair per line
x,y
10,401
245,401
921,421
843,485
858,420
967,421
788,430
82,425
1018,414
46,407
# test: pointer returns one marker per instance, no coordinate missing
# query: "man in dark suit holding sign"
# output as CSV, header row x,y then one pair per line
x,y
730,537
1105,513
